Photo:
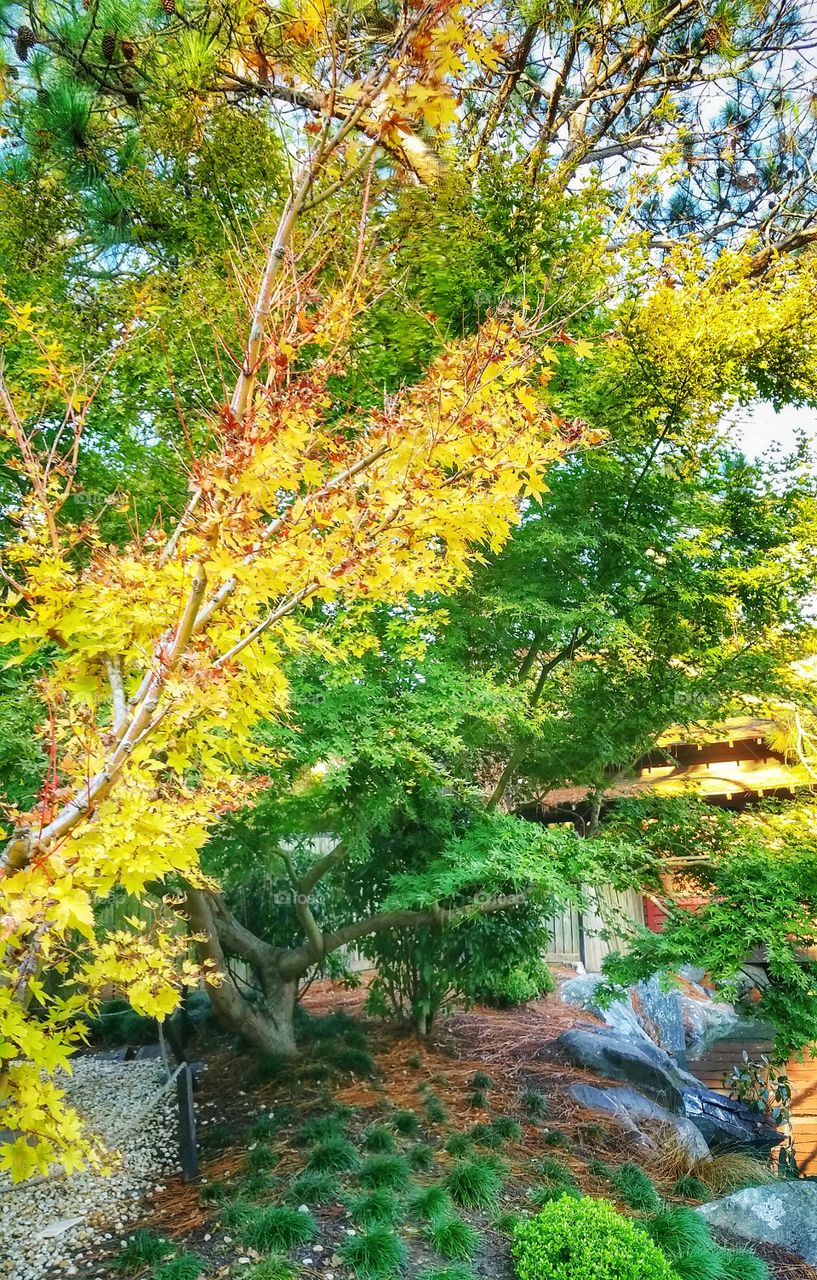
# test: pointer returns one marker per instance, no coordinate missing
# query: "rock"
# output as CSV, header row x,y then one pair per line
x,y
58,1228
704,1020
674,1019
726,1124
619,1015
784,1214
635,1062
629,1106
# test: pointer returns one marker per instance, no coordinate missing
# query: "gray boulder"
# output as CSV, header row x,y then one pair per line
x,y
726,1124
637,1062
784,1214
629,1107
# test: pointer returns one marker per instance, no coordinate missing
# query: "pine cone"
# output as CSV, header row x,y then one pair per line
x,y
128,50
23,41
109,46
169,6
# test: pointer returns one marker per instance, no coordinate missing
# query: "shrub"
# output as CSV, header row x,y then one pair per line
x,y
333,1155
271,1269
516,985
384,1171
377,1138
599,1169
691,1188
535,1103
435,1110
431,1202
453,1238
740,1264
474,1184
378,1208
421,1157
186,1266
406,1123
635,1188
143,1249
261,1157
375,1255
678,1232
277,1229
313,1186
576,1239
555,1172
480,1080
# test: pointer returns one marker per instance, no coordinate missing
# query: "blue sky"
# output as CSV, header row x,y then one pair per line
x,y
758,427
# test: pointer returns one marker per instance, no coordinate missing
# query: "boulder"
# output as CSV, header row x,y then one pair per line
x,y
658,1010
726,1124
784,1214
629,1107
637,1062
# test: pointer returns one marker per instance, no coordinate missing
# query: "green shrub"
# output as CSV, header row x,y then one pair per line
x,y
703,1264
186,1266
740,1264
313,1187
555,1172
678,1231
691,1188
535,1103
474,1184
377,1138
421,1157
431,1202
333,1155
549,1192
384,1171
378,1208
142,1249
406,1123
435,1109
457,1271
261,1157
356,1061
453,1238
235,1213
516,985
480,1080
271,1269
599,1169
277,1229
375,1255
579,1239
635,1188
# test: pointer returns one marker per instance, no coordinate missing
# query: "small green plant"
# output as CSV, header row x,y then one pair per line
x,y
635,1188
377,1138
593,1131
460,1144
313,1187
263,1127
478,1098
406,1123
431,1202
375,1255
271,1269
435,1109
480,1080
415,1062
691,1188
704,1264
258,1184
457,1271
453,1238
356,1062
474,1184
421,1157
235,1213
185,1266
270,1066
318,1128
384,1171
214,1136
549,1192
261,1157
507,1223
678,1232
534,1103
574,1239
143,1249
485,1135
556,1138
378,1208
555,1172
599,1169
741,1264
276,1229
213,1192
507,1128
333,1155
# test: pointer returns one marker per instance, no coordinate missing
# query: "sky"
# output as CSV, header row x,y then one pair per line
x,y
758,427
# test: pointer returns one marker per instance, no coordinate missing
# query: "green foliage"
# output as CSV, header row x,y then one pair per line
x,y
453,1238
679,1232
335,1155
271,1269
378,1138
376,1255
535,1103
691,1188
478,1098
356,1062
507,1223
554,1171
599,1168
549,1192
322,1127
142,1249
257,1184
420,1157
574,1239
741,1264
481,1080
261,1157
263,1127
593,1131
275,1229
459,1271
391,1172
378,1208
185,1266
213,1192
474,1183
435,1109
406,1123
556,1138
431,1203
314,1187
635,1188
702,1264
460,1144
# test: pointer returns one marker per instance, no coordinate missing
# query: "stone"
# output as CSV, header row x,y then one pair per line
x,y
640,1063
658,1010
629,1106
58,1228
784,1214
726,1124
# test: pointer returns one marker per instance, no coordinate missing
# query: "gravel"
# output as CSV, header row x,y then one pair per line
x,y
62,1225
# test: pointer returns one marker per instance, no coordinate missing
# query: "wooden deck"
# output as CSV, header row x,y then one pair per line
x,y
726,1054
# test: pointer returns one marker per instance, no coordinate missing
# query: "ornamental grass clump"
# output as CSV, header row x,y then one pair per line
x,y
313,1187
421,1157
635,1188
378,1208
453,1238
679,1232
585,1240
379,1140
376,1255
474,1184
741,1264
277,1229
384,1171
431,1202
333,1155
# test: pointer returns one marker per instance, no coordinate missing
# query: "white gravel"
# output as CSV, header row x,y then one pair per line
x,y
61,1226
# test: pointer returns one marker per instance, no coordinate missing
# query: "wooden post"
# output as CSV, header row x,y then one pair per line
x,y
188,1153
